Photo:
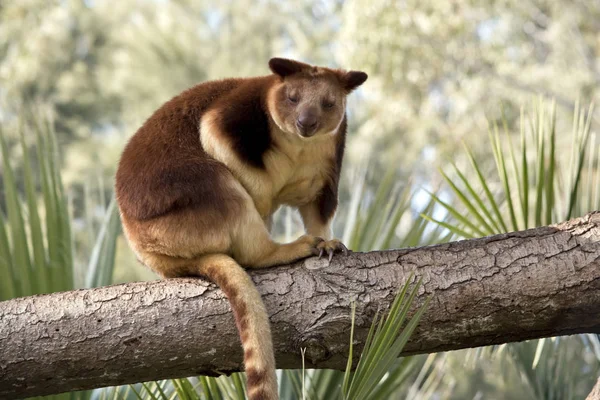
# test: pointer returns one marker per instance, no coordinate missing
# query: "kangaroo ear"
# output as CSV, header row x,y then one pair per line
x,y
284,67
353,79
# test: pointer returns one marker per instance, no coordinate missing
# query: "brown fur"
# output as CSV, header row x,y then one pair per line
x,y
198,183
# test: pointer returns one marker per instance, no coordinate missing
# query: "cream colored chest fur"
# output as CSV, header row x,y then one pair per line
x,y
299,170
296,168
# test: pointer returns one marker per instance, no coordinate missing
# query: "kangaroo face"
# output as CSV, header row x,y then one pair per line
x,y
308,100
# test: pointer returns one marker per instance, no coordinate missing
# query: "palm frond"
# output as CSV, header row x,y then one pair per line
x,y
532,185
36,243
382,347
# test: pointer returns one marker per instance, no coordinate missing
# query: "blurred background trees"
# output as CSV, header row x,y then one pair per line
x,y
440,73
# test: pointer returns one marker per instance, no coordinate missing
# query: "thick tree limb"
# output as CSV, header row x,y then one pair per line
x,y
523,285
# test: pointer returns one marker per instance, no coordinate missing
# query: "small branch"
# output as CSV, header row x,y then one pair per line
x,y
504,288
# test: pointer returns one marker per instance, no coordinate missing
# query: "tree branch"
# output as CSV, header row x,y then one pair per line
x,y
504,288
595,393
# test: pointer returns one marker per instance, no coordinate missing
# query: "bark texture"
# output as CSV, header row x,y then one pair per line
x,y
595,393
504,288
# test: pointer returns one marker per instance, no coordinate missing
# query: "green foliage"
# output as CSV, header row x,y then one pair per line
x,y
546,367
373,216
53,54
378,374
435,69
36,242
532,184
443,67
379,217
367,382
29,264
537,187
541,176
380,354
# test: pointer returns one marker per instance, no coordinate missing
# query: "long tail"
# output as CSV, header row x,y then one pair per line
x,y
252,322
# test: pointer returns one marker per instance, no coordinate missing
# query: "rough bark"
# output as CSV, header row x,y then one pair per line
x,y
504,288
595,393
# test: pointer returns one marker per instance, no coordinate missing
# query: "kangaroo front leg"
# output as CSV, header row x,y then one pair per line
x,y
253,247
316,224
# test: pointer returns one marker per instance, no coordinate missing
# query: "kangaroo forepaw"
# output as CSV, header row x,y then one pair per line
x,y
331,247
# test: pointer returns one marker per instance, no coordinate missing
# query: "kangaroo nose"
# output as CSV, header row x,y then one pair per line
x,y
307,121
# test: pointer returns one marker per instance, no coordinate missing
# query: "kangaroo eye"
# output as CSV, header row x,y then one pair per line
x,y
293,99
